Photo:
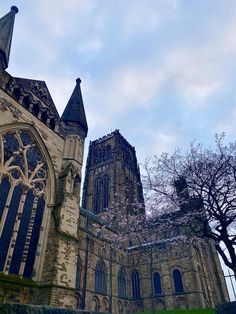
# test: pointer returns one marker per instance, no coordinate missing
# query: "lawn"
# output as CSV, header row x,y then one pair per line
x,y
193,311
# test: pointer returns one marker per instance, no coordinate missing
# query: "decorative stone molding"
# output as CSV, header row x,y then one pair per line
x,y
5,105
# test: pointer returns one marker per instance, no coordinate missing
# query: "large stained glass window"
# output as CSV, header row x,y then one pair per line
x,y
23,196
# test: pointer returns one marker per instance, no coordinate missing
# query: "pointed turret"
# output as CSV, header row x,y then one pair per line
x,y
74,114
6,31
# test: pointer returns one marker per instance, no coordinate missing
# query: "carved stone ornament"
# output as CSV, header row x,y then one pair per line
x,y
5,105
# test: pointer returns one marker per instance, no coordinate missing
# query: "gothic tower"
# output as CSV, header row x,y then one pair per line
x,y
112,172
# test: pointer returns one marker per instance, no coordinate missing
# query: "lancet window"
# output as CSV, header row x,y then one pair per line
x,y
178,282
122,283
157,283
136,284
101,193
23,197
101,277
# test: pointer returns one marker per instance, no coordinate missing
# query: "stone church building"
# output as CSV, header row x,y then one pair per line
x,y
49,252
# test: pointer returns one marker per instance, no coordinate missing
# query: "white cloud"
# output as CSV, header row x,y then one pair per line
x,y
196,76
58,15
165,141
132,87
146,16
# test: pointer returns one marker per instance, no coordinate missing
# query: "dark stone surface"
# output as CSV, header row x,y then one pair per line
x,y
15,308
226,308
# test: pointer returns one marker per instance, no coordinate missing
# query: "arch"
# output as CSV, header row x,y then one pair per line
x,y
24,126
44,116
136,284
105,196
26,101
126,307
96,303
27,177
78,301
122,283
108,152
101,193
120,307
178,281
105,307
159,305
97,195
36,109
52,123
100,277
181,303
17,92
157,283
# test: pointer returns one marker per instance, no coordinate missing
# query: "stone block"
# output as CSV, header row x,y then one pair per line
x,y
14,308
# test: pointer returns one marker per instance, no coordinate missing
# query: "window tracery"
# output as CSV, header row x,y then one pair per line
x,y
23,196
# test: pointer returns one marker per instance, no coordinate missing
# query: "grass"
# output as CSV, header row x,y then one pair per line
x,y
192,311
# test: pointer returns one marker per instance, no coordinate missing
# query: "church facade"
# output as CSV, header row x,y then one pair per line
x,y
50,254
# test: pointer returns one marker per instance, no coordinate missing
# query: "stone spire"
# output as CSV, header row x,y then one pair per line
x,y
6,30
74,114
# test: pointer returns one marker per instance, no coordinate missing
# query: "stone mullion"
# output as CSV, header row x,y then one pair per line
x,y
6,208
42,243
28,237
15,230
1,152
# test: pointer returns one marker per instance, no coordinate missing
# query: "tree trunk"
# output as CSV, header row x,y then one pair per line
x,y
231,264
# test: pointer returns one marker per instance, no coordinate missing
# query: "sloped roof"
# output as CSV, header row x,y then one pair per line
x,y
74,111
40,90
6,31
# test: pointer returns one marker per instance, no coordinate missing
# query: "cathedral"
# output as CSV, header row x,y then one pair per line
x,y
50,253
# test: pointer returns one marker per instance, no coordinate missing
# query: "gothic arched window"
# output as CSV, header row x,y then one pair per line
x,y
101,193
136,285
105,191
157,283
178,282
97,196
100,277
23,196
122,284
108,152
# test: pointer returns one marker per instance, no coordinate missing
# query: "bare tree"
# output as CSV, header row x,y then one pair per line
x,y
200,184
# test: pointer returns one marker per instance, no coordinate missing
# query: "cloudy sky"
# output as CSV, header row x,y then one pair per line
x,y
161,71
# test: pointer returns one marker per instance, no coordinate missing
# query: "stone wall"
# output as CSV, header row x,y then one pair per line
x,y
33,309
